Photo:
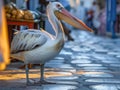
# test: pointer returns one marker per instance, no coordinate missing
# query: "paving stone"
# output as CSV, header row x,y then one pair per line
x,y
94,65
101,50
111,61
113,81
80,57
66,53
65,78
89,63
94,70
103,57
106,87
68,45
83,49
94,74
115,65
8,84
58,87
52,87
115,49
80,61
12,88
60,65
64,82
118,56
59,58
113,53
83,88
57,61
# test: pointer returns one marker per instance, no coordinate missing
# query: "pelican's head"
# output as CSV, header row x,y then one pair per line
x,y
62,14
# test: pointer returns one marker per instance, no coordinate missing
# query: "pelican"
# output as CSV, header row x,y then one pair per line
x,y
38,46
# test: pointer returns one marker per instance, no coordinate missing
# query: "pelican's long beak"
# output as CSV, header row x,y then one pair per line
x,y
63,14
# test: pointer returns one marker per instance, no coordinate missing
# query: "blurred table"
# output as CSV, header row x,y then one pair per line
x,y
32,24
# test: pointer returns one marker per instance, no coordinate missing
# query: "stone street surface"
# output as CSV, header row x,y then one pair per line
x,y
89,63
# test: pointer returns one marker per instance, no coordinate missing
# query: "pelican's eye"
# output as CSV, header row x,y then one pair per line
x,y
58,5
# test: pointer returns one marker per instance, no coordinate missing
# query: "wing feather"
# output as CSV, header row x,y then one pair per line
x,y
27,40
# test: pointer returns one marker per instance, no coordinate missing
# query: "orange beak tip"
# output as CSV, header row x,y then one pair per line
x,y
91,30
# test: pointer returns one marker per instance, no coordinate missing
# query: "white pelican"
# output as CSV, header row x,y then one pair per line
x,y
38,47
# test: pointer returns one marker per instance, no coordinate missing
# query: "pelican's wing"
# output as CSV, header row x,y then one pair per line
x,y
27,40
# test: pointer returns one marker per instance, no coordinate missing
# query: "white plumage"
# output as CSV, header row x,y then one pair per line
x,y
38,47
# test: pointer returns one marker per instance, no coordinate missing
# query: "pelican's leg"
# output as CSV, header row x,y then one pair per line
x,y
42,73
42,80
27,75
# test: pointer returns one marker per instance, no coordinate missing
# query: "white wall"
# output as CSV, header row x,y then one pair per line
x,y
20,3
34,4
87,3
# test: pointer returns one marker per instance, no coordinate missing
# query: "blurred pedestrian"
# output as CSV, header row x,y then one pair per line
x,y
89,18
102,20
96,12
92,17
81,11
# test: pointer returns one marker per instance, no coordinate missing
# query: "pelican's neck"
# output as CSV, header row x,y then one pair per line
x,y
56,24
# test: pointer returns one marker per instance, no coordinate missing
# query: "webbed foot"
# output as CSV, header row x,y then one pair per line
x,y
29,83
42,82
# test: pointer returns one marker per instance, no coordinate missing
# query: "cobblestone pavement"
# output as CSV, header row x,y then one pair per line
x,y
89,63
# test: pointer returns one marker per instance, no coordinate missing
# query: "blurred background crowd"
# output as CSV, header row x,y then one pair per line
x,y
92,12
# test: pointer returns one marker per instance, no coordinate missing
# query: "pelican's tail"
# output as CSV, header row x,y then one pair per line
x,y
17,56
15,31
